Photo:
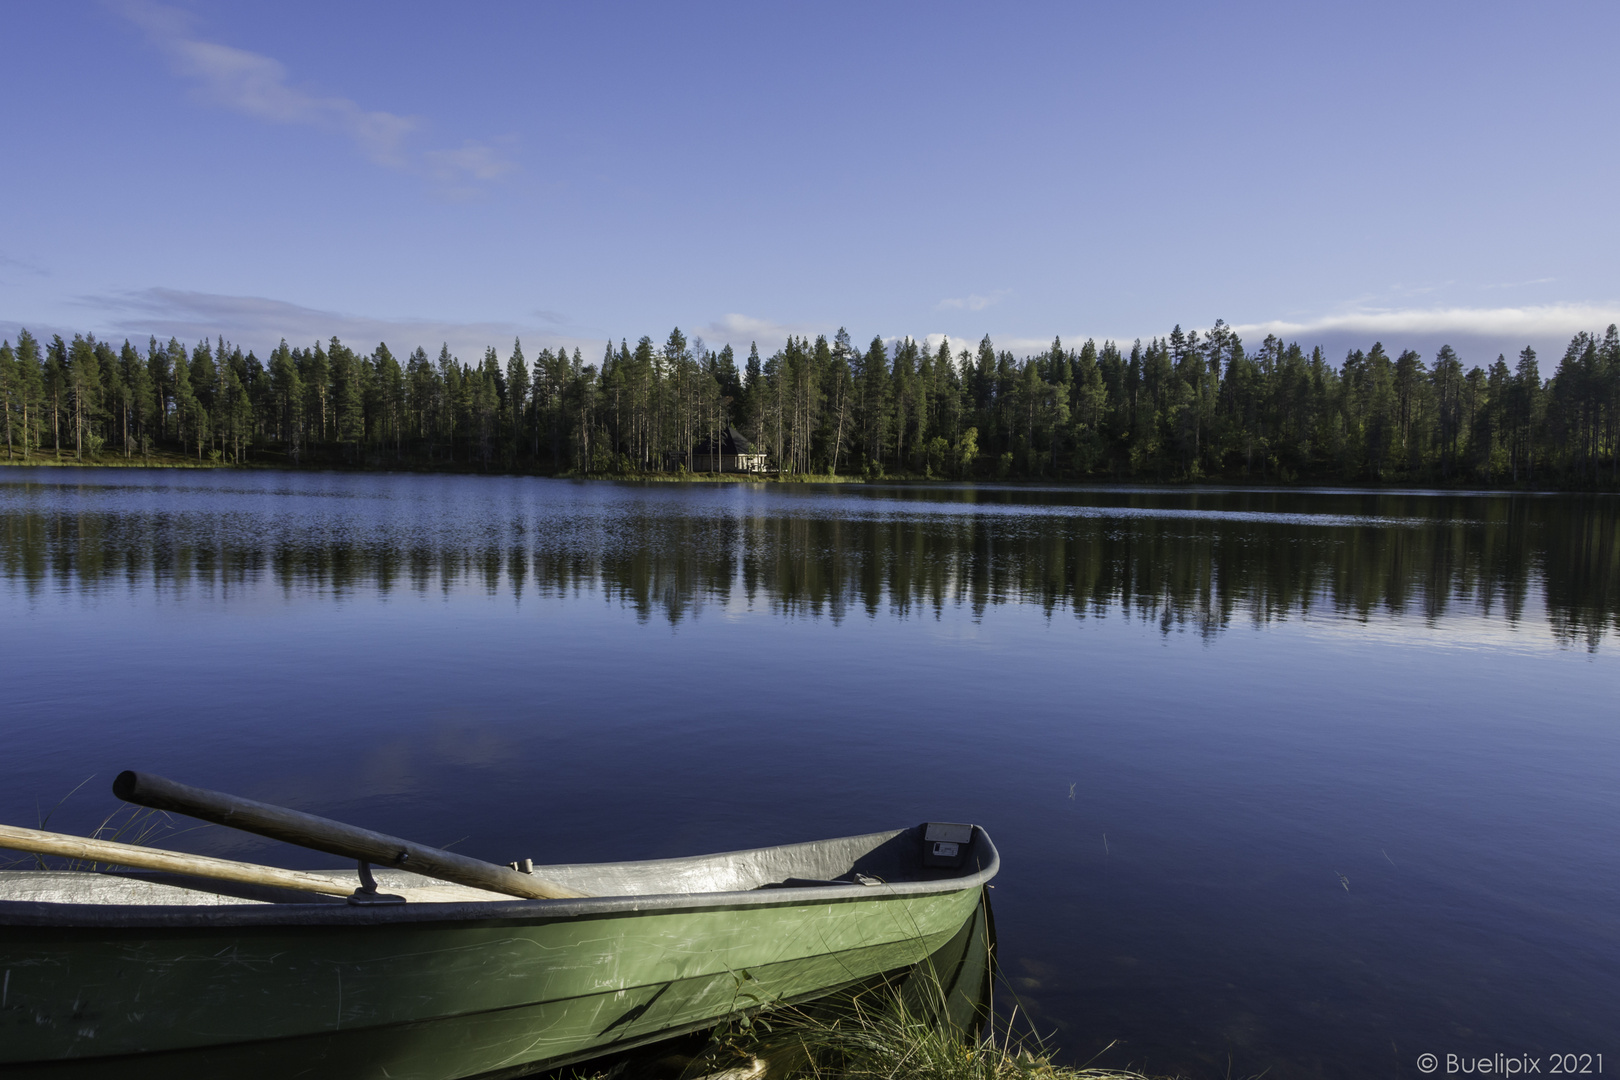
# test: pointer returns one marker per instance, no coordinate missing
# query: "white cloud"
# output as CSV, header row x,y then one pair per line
x,y
1539,321
1018,346
974,302
258,86
1480,333
735,325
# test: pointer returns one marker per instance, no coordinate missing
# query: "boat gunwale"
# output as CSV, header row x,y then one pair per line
x,y
37,914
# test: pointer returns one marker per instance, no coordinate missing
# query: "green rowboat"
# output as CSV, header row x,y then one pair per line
x,y
135,974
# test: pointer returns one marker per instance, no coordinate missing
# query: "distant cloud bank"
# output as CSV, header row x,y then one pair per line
x,y
259,323
1539,321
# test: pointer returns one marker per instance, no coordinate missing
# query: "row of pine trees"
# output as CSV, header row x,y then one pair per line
x,y
1185,407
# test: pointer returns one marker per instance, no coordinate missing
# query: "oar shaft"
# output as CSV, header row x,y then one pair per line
x,y
145,858
332,837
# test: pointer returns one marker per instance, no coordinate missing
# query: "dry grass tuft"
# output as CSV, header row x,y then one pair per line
x,y
877,1038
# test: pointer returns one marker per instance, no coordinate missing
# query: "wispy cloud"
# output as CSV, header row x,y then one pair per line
x,y
734,325
480,161
13,268
259,323
973,302
1520,284
259,86
10,262
739,331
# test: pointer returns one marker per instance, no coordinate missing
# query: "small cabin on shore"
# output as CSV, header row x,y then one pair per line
x,y
733,454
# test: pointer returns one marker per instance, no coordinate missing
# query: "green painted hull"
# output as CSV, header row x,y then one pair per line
x,y
460,990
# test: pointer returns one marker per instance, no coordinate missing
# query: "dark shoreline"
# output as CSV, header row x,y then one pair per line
x,y
1202,484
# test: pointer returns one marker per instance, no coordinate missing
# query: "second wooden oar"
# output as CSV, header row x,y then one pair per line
x,y
332,837
113,853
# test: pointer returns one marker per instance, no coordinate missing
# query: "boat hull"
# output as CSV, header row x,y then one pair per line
x,y
537,985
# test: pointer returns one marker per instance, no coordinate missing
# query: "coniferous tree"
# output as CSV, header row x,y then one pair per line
x,y
1528,410
135,396
388,383
202,376
1447,378
186,407
8,390
30,390
114,397
518,395
57,387
287,396
873,410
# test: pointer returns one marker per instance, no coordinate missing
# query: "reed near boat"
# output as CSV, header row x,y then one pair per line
x,y
152,973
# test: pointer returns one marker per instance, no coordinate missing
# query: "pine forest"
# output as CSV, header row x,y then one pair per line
x,y
1187,407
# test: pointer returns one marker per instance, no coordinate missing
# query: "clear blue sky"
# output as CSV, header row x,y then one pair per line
x,y
424,172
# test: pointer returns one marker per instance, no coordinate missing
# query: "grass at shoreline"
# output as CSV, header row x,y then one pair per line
x,y
882,1039
156,460
180,461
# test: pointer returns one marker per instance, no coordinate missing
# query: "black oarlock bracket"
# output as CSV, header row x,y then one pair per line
x,y
367,892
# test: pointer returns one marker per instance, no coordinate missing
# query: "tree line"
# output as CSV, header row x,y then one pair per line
x,y
1185,407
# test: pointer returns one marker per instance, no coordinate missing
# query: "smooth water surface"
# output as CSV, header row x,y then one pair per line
x,y
1307,782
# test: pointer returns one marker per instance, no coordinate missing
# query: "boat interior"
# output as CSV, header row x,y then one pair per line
x,y
898,857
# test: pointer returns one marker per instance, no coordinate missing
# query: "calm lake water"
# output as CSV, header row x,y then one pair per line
x,y
1301,781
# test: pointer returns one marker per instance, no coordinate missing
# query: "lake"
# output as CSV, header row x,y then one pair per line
x,y
1304,782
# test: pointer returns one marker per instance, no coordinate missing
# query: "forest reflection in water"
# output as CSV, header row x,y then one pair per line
x,y
1283,852
1198,561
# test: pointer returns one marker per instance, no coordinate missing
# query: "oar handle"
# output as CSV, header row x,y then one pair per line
x,y
332,837
113,853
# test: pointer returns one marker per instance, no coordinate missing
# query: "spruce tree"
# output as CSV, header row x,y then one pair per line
x,y
56,387
518,387
185,402
8,388
1526,410
389,389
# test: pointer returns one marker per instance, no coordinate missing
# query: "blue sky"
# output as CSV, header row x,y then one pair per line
x,y
1413,173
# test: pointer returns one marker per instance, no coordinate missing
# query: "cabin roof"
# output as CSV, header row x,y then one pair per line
x,y
731,442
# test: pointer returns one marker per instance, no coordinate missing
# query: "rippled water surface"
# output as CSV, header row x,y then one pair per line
x,y
1308,781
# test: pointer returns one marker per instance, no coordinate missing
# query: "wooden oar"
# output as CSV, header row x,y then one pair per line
x,y
145,858
332,837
